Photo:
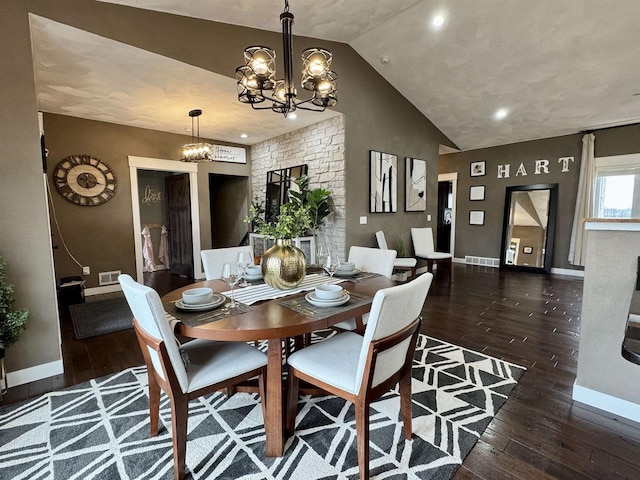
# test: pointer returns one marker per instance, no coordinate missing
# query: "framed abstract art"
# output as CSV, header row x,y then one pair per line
x,y
383,182
415,197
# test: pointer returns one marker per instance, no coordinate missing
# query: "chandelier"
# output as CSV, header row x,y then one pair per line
x,y
196,151
257,77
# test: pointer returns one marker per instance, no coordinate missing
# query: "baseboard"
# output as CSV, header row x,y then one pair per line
x,y
606,403
31,374
459,260
567,271
100,290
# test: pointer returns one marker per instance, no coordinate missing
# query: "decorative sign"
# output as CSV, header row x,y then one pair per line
x,y
539,167
224,153
151,196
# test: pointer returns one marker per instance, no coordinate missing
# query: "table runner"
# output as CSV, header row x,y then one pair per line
x,y
255,293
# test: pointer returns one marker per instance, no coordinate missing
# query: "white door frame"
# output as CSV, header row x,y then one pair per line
x,y
453,178
144,163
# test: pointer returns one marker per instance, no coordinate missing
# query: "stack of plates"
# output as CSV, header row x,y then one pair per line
x,y
216,301
253,278
347,273
318,302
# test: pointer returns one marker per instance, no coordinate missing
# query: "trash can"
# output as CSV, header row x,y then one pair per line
x,y
71,290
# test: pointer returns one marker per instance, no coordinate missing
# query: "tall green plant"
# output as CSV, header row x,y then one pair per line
x,y
316,201
12,322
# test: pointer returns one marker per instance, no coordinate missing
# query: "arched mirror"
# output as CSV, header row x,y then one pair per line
x,y
529,227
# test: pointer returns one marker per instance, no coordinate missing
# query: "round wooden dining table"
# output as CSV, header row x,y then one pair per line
x,y
271,321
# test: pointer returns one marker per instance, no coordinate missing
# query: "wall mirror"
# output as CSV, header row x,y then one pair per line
x,y
278,184
529,227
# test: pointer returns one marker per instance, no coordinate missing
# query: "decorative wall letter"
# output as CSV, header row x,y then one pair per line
x,y
542,165
503,171
521,170
565,163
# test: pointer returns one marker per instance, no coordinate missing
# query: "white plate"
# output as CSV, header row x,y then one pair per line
x,y
216,301
252,278
311,298
343,273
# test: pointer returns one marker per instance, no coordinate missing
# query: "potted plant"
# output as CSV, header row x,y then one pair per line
x,y
283,265
316,202
12,322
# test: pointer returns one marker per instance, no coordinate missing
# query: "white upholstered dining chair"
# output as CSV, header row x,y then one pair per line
x,y
196,368
362,369
400,263
212,260
373,260
423,247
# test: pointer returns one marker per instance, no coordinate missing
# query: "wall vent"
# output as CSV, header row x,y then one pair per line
x,y
109,278
483,261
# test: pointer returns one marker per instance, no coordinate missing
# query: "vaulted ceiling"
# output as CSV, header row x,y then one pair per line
x,y
555,67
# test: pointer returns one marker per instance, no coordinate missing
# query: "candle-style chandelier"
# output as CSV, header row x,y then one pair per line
x,y
257,77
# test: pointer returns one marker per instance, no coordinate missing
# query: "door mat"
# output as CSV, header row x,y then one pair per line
x,y
97,318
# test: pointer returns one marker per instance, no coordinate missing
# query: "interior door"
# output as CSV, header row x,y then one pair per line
x,y
179,220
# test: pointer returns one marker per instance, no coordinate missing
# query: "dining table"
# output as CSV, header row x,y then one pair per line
x,y
275,320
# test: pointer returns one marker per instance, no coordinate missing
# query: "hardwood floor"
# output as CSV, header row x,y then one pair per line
x,y
528,319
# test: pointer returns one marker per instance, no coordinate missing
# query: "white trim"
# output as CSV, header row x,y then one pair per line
x,y
459,260
453,178
631,160
607,403
613,226
31,374
144,163
88,292
567,271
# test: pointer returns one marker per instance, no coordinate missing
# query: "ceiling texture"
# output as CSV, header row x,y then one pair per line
x,y
556,66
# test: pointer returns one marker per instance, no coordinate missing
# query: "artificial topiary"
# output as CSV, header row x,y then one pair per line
x,y
12,322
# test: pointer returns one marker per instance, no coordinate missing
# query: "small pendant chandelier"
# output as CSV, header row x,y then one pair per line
x,y
196,151
257,77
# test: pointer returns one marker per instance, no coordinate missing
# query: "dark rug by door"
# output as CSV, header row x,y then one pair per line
x,y
100,429
97,318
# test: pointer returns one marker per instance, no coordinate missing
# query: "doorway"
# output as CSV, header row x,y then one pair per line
x,y
446,221
170,166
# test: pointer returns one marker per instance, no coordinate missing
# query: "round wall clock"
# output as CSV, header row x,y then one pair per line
x,y
85,180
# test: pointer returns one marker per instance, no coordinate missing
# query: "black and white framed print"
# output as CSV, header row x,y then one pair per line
x,y
415,196
476,192
476,217
478,169
383,182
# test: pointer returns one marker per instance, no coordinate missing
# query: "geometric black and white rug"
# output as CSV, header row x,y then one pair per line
x,y
100,429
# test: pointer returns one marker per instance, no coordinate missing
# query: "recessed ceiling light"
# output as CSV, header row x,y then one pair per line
x,y
244,135
438,21
292,116
500,114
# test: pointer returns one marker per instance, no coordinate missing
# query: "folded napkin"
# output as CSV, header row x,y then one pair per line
x,y
255,293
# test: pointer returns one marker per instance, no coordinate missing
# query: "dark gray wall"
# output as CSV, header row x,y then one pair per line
x,y
102,237
25,238
485,240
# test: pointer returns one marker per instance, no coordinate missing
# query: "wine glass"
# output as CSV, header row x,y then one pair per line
x,y
243,261
231,275
331,264
321,255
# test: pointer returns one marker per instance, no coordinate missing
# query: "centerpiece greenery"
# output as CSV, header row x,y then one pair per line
x,y
293,221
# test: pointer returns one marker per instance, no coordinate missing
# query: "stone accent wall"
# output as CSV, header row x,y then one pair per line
x,y
321,147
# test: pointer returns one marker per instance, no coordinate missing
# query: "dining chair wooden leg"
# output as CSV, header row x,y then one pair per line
x,y
292,403
179,414
262,391
154,402
430,266
362,438
405,404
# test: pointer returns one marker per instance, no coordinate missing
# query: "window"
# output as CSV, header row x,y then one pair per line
x,y
617,187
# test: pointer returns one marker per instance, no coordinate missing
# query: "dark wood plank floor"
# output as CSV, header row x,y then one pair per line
x,y
528,319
